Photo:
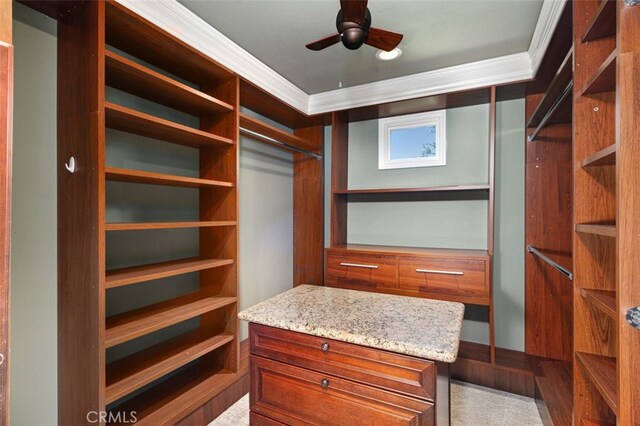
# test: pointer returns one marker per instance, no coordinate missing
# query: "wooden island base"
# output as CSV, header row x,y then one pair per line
x,y
297,378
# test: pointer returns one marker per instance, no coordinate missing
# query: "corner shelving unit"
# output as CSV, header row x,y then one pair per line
x,y
606,174
162,381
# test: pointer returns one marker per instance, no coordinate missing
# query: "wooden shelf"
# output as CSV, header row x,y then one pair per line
x,y
132,372
604,79
451,188
171,400
139,123
270,131
604,300
131,77
138,274
150,178
127,31
603,23
602,372
139,322
604,157
563,77
142,226
607,230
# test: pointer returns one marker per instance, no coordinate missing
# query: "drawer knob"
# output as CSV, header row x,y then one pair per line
x,y
325,347
324,383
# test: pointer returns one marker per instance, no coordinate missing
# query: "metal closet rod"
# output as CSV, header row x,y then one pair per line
x,y
549,113
567,273
284,144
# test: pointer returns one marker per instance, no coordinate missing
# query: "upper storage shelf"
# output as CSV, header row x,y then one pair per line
x,y
144,40
139,123
603,23
604,79
139,80
255,125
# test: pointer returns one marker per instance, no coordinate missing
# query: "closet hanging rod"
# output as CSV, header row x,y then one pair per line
x,y
284,144
567,273
532,137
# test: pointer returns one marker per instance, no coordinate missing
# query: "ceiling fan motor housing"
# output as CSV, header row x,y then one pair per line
x,y
352,34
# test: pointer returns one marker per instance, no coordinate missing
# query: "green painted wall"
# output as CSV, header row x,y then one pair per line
x,y
451,223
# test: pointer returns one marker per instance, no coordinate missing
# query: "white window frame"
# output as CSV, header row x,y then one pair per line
x,y
431,118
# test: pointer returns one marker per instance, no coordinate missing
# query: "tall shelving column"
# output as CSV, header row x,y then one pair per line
x,y
104,44
606,190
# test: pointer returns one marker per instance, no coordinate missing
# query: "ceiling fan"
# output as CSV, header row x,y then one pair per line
x,y
354,30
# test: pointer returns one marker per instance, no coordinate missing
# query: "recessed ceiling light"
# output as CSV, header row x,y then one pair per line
x,y
388,56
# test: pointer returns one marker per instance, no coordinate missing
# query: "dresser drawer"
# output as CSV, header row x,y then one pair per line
x,y
297,396
461,277
400,373
361,271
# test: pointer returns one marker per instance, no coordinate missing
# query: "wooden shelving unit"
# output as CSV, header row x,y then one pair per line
x,y
139,176
605,300
162,381
139,123
146,226
131,77
605,230
603,22
602,373
604,157
604,80
606,43
392,262
138,274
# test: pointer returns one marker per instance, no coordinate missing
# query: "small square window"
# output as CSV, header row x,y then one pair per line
x,y
416,140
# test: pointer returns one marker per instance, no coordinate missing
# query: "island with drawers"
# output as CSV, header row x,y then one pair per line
x,y
322,355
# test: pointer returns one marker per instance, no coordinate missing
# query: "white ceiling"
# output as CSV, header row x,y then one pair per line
x,y
437,34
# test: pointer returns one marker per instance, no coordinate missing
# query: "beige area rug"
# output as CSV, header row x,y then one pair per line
x,y
471,405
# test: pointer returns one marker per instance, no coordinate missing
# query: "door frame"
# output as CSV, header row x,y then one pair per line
x,y
6,144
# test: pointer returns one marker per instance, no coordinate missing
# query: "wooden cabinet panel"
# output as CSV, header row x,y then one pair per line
x,y
445,276
294,396
400,373
361,271
258,420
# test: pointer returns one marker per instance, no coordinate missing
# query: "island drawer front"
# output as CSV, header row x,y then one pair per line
x,y
400,373
446,276
294,395
361,271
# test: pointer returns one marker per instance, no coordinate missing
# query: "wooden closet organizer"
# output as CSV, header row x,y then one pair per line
x,y
606,154
101,43
196,365
454,274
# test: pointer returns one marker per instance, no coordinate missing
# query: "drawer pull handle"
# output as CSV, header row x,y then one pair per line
x,y
435,271
324,383
359,265
325,347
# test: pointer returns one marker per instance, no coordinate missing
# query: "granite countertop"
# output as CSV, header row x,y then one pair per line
x,y
408,325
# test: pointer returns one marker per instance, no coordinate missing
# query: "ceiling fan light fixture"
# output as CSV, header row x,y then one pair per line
x,y
388,56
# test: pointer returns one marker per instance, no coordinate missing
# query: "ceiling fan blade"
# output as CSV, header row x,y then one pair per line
x,y
382,39
324,42
354,10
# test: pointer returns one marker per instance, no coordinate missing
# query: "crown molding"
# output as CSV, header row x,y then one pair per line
x,y
175,18
547,22
495,71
